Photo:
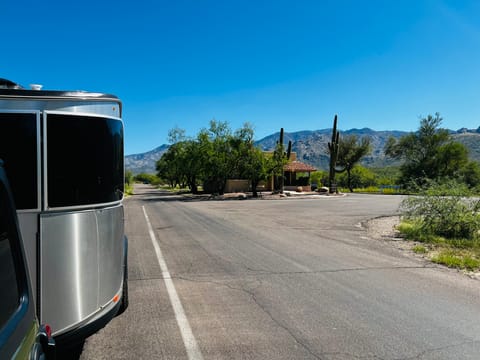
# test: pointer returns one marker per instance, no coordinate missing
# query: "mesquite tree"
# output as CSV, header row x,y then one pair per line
x,y
350,152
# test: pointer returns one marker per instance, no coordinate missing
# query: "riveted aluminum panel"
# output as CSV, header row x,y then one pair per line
x,y
110,252
81,262
68,268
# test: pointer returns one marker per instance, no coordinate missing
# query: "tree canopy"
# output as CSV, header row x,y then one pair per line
x,y
430,154
213,156
350,151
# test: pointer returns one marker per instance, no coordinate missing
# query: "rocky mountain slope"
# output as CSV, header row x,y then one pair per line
x,y
311,147
144,163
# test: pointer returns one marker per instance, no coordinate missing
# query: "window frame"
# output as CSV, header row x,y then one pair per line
x,y
37,114
47,206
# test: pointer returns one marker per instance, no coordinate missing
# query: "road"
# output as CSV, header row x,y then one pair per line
x,y
281,279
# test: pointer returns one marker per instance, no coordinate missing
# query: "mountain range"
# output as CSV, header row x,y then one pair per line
x,y
311,147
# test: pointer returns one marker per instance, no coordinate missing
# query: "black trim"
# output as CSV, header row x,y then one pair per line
x,y
78,94
124,300
5,83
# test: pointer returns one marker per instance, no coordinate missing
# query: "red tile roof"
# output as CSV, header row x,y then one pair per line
x,y
297,166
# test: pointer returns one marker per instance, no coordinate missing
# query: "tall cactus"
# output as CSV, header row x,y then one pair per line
x,y
289,150
283,157
333,150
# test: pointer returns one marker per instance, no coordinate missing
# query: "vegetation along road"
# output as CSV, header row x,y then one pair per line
x,y
282,279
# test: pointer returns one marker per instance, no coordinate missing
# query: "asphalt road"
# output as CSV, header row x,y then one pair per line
x,y
281,279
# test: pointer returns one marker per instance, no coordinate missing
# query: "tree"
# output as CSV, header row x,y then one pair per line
x,y
182,164
350,151
147,178
428,154
192,164
360,177
256,168
247,161
241,144
212,157
470,174
128,177
215,145
176,135
319,177
170,165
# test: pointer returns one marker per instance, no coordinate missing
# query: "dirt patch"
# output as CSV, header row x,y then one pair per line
x,y
384,228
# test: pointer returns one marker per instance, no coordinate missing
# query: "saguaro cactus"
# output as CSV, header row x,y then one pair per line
x,y
333,150
282,159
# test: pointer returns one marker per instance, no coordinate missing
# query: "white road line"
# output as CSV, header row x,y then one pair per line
x,y
193,351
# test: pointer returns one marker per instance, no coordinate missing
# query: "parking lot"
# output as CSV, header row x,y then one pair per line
x,y
281,279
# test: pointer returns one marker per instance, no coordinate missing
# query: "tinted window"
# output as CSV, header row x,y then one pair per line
x,y
84,159
18,150
10,298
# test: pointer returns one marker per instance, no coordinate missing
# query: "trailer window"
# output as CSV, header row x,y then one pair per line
x,y
18,150
84,160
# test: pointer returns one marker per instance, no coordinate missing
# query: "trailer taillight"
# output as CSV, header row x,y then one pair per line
x,y
48,330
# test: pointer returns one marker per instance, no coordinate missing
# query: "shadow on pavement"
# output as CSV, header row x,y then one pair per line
x,y
71,352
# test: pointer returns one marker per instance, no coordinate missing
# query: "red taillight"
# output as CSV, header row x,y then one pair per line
x,y
48,330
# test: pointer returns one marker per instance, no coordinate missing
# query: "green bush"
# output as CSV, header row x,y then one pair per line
x,y
455,260
147,178
412,230
386,175
419,249
375,190
445,210
128,189
319,177
361,177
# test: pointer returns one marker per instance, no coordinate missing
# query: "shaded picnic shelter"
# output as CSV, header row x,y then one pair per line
x,y
291,173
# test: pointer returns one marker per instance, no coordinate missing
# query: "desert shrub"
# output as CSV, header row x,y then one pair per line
x,y
445,209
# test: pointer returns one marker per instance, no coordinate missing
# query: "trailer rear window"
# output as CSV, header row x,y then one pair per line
x,y
84,160
18,150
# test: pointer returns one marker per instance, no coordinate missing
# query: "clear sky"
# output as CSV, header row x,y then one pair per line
x,y
292,64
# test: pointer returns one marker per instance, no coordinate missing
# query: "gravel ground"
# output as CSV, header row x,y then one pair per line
x,y
384,228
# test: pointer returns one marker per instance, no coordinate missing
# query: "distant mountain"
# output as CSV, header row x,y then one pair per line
x,y
145,162
472,142
311,147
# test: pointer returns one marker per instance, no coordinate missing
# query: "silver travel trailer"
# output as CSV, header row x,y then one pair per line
x,y
63,153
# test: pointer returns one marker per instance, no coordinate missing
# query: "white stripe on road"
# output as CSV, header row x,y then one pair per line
x,y
193,351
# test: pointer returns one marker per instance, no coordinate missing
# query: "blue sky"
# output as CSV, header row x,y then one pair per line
x,y
291,64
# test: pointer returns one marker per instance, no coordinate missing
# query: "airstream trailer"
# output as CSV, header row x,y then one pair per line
x,y
63,153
